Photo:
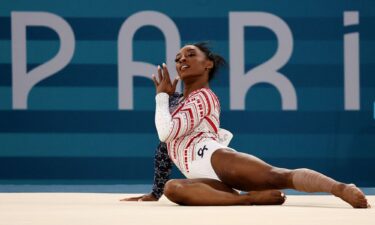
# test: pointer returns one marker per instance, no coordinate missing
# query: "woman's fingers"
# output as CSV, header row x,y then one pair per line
x,y
131,199
146,197
164,84
175,81
155,81
160,74
166,73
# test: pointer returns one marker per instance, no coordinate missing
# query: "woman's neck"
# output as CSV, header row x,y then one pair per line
x,y
190,87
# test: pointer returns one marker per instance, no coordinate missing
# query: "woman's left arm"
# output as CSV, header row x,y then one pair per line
x,y
162,170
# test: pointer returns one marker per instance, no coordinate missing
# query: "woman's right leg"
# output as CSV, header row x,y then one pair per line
x,y
246,172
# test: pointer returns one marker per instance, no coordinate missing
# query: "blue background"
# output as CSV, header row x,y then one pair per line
x,y
73,131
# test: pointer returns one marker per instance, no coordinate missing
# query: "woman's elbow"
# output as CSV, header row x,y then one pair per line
x,y
164,132
163,136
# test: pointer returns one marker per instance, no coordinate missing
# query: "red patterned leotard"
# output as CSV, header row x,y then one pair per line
x,y
195,120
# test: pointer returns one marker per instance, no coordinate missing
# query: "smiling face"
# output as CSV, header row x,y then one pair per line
x,y
192,63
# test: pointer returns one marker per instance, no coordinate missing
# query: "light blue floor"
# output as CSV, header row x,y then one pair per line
x,y
110,188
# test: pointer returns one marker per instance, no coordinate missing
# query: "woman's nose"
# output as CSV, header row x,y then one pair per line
x,y
182,59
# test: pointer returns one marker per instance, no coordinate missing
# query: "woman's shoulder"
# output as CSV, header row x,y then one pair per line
x,y
202,91
206,93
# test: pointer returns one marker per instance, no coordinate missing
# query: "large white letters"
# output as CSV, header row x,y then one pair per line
x,y
129,68
351,63
241,82
24,81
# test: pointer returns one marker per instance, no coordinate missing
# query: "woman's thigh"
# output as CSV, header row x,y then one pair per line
x,y
246,172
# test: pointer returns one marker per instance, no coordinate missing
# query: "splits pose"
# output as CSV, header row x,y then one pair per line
x,y
189,127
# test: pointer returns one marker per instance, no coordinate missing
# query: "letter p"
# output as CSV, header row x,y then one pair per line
x,y
24,81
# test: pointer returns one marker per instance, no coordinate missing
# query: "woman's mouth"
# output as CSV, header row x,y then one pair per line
x,y
184,67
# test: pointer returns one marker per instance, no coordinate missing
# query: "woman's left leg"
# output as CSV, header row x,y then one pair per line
x,y
211,192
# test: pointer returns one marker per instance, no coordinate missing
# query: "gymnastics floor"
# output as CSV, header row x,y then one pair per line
x,y
47,208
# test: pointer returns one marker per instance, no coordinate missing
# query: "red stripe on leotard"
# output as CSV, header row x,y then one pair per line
x,y
211,123
208,102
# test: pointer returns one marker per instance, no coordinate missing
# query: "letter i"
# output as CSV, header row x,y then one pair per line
x,y
351,63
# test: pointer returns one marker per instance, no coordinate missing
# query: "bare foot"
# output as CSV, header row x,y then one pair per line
x,y
352,195
269,197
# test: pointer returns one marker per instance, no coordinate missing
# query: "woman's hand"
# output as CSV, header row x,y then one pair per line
x,y
164,84
146,197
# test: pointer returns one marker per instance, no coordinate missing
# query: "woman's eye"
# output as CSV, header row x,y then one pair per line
x,y
176,60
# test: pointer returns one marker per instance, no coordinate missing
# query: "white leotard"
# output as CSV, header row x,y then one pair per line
x,y
195,120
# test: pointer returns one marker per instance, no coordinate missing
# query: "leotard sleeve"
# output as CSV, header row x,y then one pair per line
x,y
162,170
162,162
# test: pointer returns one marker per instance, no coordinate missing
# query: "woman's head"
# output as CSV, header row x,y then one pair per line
x,y
197,60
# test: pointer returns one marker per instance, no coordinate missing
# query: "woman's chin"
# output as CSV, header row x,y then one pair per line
x,y
184,76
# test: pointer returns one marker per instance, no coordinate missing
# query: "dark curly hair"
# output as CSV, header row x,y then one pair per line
x,y
218,60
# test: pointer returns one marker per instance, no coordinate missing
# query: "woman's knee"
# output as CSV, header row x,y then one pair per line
x,y
173,189
280,178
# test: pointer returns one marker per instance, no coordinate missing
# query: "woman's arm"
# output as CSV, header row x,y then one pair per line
x,y
162,163
162,166
162,170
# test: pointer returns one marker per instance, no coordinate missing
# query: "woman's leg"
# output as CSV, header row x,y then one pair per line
x,y
246,172
210,192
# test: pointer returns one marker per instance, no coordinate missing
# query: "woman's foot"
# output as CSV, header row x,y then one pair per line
x,y
269,197
351,194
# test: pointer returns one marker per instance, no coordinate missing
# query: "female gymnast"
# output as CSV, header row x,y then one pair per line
x,y
163,169
215,171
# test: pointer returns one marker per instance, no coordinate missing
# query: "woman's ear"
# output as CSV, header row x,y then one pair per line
x,y
209,64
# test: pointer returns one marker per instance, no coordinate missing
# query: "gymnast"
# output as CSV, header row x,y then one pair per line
x,y
215,172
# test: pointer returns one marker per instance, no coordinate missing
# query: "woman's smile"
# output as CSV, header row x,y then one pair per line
x,y
184,67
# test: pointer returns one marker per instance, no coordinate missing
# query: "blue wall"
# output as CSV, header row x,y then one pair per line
x,y
73,129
